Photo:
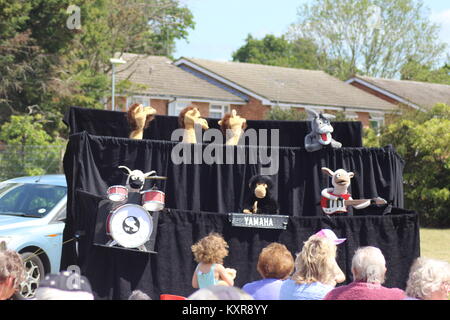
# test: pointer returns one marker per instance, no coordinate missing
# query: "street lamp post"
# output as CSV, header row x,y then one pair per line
x,y
114,61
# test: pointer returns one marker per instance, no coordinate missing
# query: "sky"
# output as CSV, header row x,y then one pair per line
x,y
222,25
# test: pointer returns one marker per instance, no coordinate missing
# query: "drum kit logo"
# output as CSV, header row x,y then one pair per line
x,y
130,225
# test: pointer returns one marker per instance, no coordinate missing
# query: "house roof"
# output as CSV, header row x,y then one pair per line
x,y
164,79
421,94
288,85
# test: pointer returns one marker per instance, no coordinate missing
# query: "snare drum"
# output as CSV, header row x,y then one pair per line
x,y
117,193
153,200
129,225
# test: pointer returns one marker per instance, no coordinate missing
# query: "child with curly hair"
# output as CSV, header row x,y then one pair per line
x,y
209,252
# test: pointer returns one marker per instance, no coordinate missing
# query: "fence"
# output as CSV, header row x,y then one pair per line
x,y
25,160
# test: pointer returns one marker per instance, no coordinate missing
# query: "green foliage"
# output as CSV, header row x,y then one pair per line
x,y
370,138
278,51
422,139
373,36
412,70
48,66
278,113
30,150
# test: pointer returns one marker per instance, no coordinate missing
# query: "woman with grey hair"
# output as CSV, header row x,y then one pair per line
x,y
429,279
12,272
369,270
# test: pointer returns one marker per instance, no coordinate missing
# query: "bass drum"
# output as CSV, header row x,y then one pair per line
x,y
130,226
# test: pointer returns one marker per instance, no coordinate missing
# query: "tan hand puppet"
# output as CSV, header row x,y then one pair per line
x,y
139,118
189,118
233,127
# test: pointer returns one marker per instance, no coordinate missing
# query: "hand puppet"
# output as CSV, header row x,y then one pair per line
x,y
261,197
139,118
233,127
189,118
320,134
136,178
336,199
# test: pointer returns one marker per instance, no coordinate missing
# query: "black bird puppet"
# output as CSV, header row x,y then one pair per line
x,y
261,198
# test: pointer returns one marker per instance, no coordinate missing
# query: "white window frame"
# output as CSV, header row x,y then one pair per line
x,y
144,100
175,107
224,108
379,119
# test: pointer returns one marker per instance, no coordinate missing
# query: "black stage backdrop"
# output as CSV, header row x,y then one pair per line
x,y
114,124
200,195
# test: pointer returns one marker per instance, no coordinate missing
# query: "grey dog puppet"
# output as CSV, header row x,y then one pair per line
x,y
320,134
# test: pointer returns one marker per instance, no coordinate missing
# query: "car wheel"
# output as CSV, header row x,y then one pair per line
x,y
35,271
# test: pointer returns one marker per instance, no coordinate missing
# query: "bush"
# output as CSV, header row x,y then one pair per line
x,y
28,149
422,139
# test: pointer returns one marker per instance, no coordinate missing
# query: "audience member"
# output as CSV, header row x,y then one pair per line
x,y
64,286
209,252
12,272
275,264
220,293
429,279
138,295
315,271
369,270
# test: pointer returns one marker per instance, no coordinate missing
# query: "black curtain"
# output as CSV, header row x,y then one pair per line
x,y
114,273
114,124
92,163
199,196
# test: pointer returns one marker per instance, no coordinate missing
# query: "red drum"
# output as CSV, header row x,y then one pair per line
x,y
117,193
153,200
129,225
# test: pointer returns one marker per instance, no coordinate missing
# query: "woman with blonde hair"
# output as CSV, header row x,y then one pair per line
x,y
429,279
209,252
316,271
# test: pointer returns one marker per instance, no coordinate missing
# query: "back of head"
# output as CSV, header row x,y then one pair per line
x,y
138,295
220,293
315,263
369,265
275,261
426,277
64,286
210,249
11,266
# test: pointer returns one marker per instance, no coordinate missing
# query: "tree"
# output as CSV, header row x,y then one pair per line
x,y
421,139
278,113
30,150
278,51
412,70
49,66
373,36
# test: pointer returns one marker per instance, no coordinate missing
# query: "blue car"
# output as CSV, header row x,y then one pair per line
x,y
32,215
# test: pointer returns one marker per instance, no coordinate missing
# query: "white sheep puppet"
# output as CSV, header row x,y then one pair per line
x,y
336,199
136,178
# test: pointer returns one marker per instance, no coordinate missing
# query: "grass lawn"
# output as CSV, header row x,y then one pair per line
x,y
435,243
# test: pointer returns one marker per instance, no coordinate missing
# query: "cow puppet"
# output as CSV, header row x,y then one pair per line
x,y
261,198
336,199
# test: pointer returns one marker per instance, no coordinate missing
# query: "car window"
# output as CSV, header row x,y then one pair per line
x,y
35,200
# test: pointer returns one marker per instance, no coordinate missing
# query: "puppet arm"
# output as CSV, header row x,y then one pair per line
x,y
326,193
335,144
363,205
311,146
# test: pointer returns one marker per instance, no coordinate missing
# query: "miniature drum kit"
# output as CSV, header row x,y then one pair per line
x,y
131,225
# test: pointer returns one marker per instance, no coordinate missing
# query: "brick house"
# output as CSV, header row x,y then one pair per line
x,y
251,89
411,94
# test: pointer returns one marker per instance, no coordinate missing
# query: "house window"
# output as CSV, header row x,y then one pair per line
x,y
218,110
376,123
145,101
177,106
